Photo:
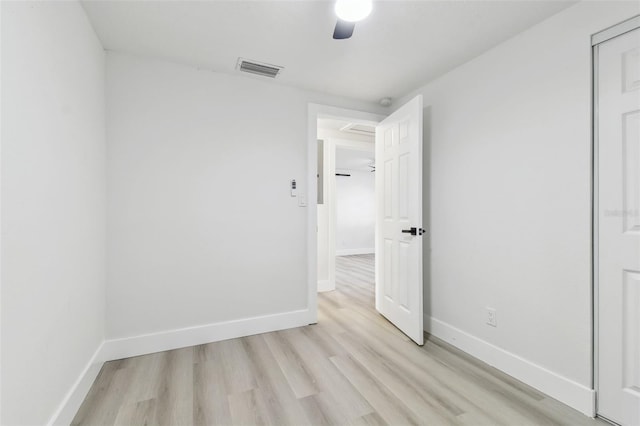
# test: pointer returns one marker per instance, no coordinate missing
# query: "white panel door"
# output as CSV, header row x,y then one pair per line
x,y
619,228
398,214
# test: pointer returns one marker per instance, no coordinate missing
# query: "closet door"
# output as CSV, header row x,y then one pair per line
x,y
618,216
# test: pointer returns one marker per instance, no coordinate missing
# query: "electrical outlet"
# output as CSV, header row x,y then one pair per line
x,y
492,320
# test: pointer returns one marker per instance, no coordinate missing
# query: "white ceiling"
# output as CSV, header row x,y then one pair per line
x,y
399,47
354,131
336,124
350,160
331,123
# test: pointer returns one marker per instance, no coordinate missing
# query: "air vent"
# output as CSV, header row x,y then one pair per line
x,y
253,67
360,129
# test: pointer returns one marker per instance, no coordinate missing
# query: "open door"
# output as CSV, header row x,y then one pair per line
x,y
399,219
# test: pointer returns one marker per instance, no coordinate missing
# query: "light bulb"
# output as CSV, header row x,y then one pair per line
x,y
353,10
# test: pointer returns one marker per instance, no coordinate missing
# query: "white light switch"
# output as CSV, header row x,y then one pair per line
x,y
302,200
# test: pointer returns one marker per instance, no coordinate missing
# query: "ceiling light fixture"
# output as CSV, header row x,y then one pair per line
x,y
353,10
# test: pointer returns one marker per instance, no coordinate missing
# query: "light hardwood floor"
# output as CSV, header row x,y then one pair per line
x,y
353,368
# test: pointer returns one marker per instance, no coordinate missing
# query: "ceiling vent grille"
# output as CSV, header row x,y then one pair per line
x,y
259,68
360,129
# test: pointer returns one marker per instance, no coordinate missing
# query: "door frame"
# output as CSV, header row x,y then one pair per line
x,y
331,145
315,111
596,39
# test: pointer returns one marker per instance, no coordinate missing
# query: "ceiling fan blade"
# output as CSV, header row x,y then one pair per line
x,y
343,29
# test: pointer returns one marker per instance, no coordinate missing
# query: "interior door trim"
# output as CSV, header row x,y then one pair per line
x,y
616,30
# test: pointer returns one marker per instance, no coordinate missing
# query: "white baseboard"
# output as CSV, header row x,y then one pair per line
x,y
349,252
73,399
325,285
149,343
190,336
567,391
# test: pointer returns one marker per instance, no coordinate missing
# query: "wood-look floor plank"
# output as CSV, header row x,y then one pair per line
x,y
174,402
352,368
336,390
146,374
247,408
388,406
372,419
324,340
449,387
137,413
281,404
294,368
423,404
236,366
210,404
320,410
106,396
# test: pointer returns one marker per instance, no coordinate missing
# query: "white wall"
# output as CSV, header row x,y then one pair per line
x,y
508,147
53,205
202,228
355,212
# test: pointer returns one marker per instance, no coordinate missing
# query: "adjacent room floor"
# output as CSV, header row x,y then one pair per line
x,y
353,367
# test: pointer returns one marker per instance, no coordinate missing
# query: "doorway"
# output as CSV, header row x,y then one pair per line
x,y
346,195
617,222
398,211
315,112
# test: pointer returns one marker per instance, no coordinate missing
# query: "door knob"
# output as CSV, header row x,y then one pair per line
x,y
413,231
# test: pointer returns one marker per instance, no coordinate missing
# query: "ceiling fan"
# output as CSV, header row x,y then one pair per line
x,y
349,12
